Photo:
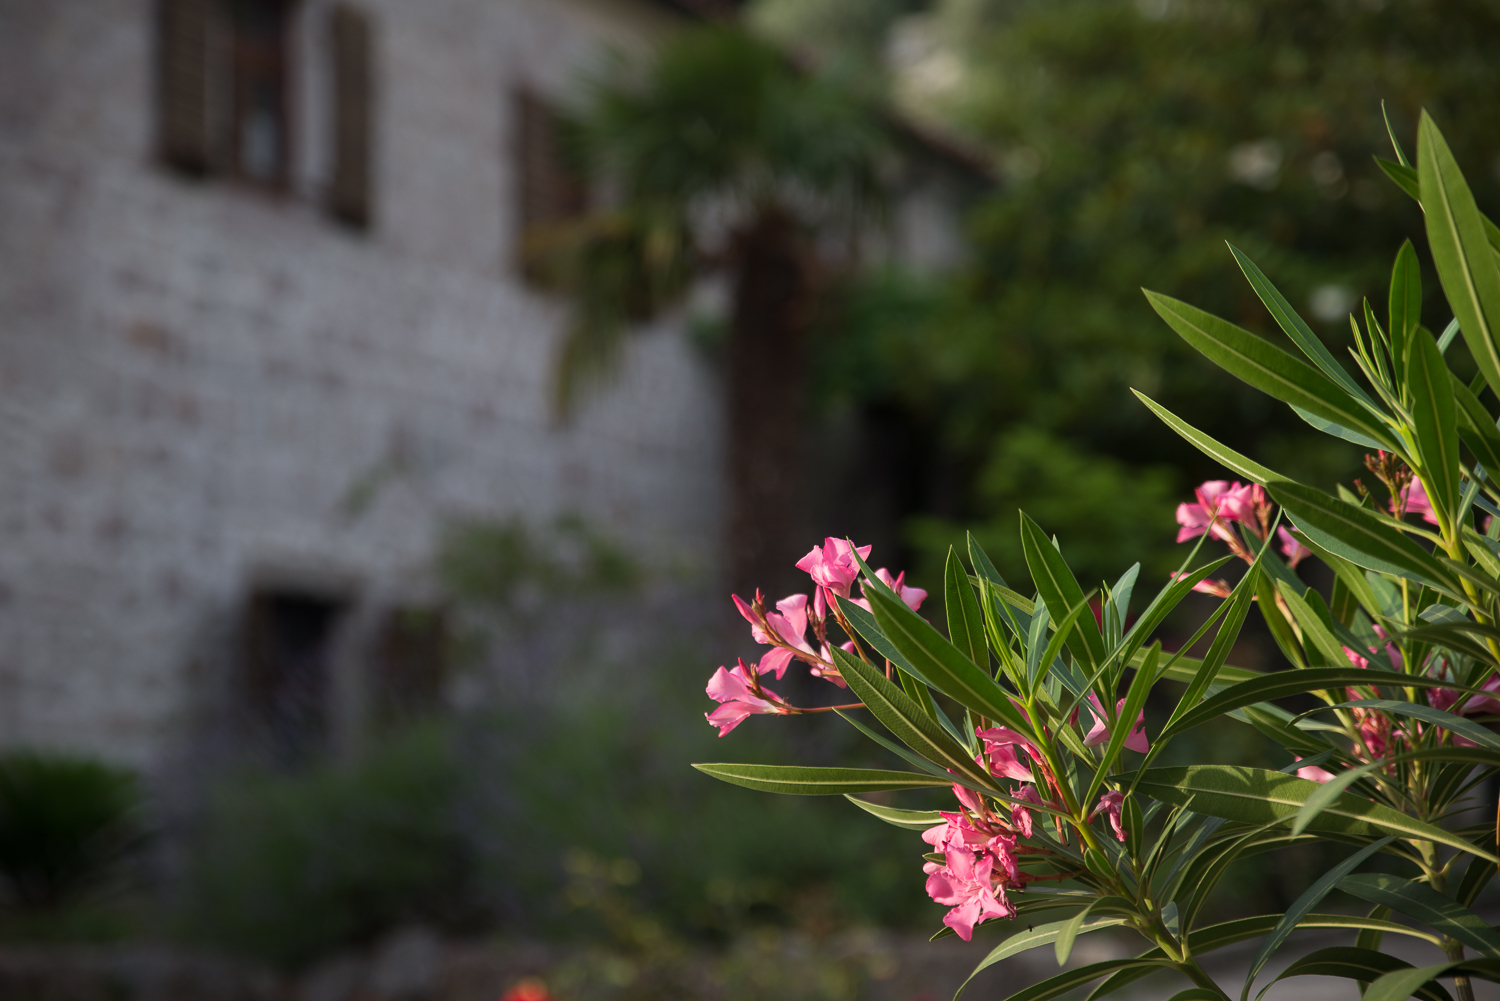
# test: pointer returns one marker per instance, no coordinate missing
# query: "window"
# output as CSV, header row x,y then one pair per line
x,y
289,646
549,192
223,94
260,135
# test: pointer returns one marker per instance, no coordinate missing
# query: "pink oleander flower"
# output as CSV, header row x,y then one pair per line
x,y
1414,500
734,688
1314,774
913,596
1020,817
1390,651
787,625
1135,740
827,673
1217,505
1110,803
999,744
1218,588
1294,551
966,884
833,565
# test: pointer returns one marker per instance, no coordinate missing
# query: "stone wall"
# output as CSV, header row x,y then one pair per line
x,y
204,385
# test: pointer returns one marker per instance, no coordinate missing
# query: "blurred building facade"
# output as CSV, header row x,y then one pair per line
x,y
265,331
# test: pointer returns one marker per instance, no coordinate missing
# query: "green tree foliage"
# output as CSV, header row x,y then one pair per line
x,y
1134,138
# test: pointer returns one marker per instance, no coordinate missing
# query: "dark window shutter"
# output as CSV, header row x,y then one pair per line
x,y
349,189
548,190
184,80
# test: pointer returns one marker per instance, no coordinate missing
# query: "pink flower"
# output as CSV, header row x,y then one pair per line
x,y
833,566
1313,773
1135,740
1415,500
785,629
913,596
1294,551
966,885
999,743
1217,588
1214,498
736,691
1110,803
1020,817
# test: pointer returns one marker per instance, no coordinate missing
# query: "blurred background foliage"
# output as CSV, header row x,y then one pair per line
x,y
1131,140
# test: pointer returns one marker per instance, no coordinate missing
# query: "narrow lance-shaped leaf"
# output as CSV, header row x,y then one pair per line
x,y
1313,627
1058,587
1261,796
1220,453
1435,418
1330,791
1405,306
905,718
940,664
911,820
1281,684
1032,938
1460,249
965,622
1273,371
1358,535
1417,900
1218,651
1297,329
1351,963
1476,427
799,780
1303,904
1463,727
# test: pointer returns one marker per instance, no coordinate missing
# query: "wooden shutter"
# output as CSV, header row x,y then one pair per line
x,y
184,81
349,189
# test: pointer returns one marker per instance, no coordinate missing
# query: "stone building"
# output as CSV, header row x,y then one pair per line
x,y
263,331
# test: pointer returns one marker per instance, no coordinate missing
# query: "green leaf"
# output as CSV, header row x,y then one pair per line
x,y
1058,587
1435,422
939,664
1222,454
1351,576
1303,904
1476,427
1314,629
912,820
905,718
1405,305
1056,987
1402,984
1218,652
1283,683
1261,796
1465,728
869,630
1417,900
1460,249
1273,371
1364,965
965,623
1337,430
1403,175
1059,637
799,780
1301,334
1330,791
1197,994
1359,536
1395,143
982,565
1076,925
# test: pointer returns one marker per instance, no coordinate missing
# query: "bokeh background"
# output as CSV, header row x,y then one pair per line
x,y
391,395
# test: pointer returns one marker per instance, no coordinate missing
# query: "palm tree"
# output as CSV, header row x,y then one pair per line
x,y
722,155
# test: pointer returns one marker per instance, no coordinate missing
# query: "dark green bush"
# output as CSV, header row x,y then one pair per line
x,y
66,822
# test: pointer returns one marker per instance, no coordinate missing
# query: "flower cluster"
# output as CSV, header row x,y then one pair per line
x,y
834,570
1238,515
